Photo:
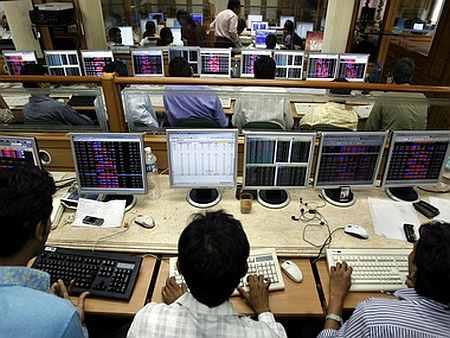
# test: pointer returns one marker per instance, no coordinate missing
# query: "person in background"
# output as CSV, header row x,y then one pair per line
x,y
242,26
114,37
5,32
400,111
42,108
212,256
271,41
181,16
291,40
225,26
271,105
421,310
165,37
190,103
192,33
149,37
31,307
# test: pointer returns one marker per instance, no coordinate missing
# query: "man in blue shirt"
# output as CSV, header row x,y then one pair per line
x,y
28,309
191,103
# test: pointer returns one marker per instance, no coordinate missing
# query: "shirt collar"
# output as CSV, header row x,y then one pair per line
x,y
188,301
26,277
410,294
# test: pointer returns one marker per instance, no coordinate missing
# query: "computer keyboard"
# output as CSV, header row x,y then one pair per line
x,y
373,269
102,274
260,262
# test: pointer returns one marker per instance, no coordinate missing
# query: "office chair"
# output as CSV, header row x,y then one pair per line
x,y
197,123
261,125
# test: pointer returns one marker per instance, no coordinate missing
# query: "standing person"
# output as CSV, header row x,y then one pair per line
x,y
193,34
291,39
225,26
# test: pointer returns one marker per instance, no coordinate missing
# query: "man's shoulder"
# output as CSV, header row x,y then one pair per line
x,y
40,299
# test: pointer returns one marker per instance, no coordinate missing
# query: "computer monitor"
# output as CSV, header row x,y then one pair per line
x,y
95,61
348,159
198,18
110,163
303,28
127,35
322,67
18,152
248,58
260,37
252,18
202,160
158,17
190,54
415,158
177,37
275,161
148,62
258,26
63,62
418,27
283,20
353,67
215,62
289,64
15,60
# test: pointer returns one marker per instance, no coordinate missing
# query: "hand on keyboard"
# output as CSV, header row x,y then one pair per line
x,y
340,281
172,291
59,289
258,295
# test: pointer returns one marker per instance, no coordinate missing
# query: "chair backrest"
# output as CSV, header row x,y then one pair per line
x,y
197,123
323,127
270,125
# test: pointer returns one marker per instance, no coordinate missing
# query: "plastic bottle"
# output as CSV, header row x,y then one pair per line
x,y
152,174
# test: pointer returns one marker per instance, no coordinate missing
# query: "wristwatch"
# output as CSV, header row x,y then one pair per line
x,y
336,318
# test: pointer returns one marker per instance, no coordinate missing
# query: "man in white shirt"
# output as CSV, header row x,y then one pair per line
x,y
225,26
212,256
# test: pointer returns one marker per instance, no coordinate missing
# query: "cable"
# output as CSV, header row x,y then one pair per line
x,y
326,243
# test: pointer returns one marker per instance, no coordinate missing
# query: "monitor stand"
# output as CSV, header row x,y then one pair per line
x,y
203,198
273,199
130,200
339,197
403,194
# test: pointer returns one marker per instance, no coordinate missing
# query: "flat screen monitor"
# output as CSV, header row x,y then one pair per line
x,y
148,62
252,17
177,37
158,17
190,54
278,160
15,60
18,152
127,35
215,62
283,20
63,62
258,26
260,38
95,61
303,28
353,67
109,163
198,18
248,58
322,67
289,64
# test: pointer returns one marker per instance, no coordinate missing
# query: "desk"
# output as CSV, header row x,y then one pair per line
x,y
297,300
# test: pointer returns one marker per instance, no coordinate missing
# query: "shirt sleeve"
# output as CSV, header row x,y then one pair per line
x,y
288,118
72,117
220,117
374,121
74,329
232,29
238,116
277,328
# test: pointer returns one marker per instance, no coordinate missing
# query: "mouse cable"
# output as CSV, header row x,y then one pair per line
x,y
326,243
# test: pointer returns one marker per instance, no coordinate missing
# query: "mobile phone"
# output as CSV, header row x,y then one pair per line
x,y
93,220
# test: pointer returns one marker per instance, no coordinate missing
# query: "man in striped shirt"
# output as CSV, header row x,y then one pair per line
x,y
421,311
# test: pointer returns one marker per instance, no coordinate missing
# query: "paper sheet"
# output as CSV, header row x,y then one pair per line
x,y
388,217
444,208
112,212
306,108
16,100
363,111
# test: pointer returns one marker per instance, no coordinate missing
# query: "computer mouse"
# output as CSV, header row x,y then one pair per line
x,y
292,271
356,230
146,222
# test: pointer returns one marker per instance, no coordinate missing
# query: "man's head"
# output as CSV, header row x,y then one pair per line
x,y
288,27
264,68
403,71
181,16
430,262
117,67
165,37
115,35
34,69
212,256
25,209
179,67
150,29
235,6
271,41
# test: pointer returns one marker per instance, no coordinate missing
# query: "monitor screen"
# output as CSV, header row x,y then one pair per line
x,y
289,65
278,159
349,159
110,163
416,158
202,158
322,67
248,58
303,28
215,62
148,62
127,35
252,18
353,67
18,152
63,63
95,61
260,38
177,37
259,26
16,60
190,54
283,20
198,18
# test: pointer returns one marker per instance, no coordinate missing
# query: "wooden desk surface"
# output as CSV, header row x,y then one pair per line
x,y
297,300
353,298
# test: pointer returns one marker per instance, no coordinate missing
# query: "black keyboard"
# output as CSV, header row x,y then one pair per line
x,y
107,275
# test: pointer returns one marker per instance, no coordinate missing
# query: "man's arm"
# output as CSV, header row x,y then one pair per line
x,y
74,329
288,118
374,122
72,117
219,114
232,29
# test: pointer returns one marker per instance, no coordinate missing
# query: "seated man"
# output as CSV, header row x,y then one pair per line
x,y
191,103
422,310
272,41
257,105
212,257
42,108
114,37
400,111
28,309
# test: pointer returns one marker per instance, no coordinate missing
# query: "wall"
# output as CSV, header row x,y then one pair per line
x,y
337,25
93,23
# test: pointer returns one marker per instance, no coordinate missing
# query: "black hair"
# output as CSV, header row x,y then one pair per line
x,y
234,5
403,71
179,67
271,41
165,37
289,26
242,25
32,69
116,67
150,29
181,14
25,201
264,67
432,259
340,91
113,32
212,256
